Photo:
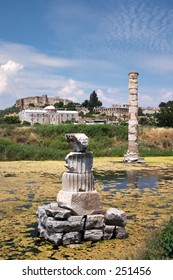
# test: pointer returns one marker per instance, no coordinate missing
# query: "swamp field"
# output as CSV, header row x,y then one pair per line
x,y
144,192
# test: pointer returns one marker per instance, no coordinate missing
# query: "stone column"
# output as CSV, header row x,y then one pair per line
x,y
78,192
132,154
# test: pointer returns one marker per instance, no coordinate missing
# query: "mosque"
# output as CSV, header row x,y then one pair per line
x,y
48,115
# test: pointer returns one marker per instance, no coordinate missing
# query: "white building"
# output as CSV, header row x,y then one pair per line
x,y
48,115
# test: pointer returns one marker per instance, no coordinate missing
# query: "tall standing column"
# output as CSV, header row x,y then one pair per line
x,y
132,154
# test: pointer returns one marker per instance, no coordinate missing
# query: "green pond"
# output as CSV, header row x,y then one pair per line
x,y
146,195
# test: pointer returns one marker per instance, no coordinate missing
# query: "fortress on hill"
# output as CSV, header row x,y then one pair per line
x,y
39,101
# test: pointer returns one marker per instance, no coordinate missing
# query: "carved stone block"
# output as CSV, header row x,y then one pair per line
x,y
72,238
94,221
115,217
78,141
78,162
93,234
80,203
108,232
75,182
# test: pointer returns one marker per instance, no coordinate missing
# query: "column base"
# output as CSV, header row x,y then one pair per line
x,y
133,157
80,203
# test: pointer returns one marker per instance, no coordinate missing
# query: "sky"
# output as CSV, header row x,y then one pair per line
x,y
69,48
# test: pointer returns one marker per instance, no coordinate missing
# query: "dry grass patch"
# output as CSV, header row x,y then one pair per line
x,y
160,137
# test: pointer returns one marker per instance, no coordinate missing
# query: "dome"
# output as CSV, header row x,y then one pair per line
x,y
50,107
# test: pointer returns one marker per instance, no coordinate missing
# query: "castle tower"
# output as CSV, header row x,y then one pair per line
x,y
132,154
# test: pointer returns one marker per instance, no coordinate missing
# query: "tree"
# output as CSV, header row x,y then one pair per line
x,y
71,106
11,119
87,105
92,102
59,105
31,105
164,117
140,112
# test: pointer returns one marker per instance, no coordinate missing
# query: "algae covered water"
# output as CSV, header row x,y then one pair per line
x,y
128,179
145,193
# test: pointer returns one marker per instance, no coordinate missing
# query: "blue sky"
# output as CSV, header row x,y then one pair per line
x,y
68,48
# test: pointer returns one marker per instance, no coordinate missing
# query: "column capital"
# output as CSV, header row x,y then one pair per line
x,y
133,72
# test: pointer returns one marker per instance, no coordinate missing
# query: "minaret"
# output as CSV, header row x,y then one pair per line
x,y
132,154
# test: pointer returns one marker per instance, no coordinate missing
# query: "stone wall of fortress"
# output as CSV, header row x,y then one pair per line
x,y
39,101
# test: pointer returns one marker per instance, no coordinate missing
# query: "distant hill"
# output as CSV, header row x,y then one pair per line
x,y
8,111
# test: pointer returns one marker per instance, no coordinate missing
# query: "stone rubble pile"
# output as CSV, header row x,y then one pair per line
x,y
59,226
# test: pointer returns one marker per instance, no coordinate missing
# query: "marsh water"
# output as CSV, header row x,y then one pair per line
x,y
127,179
146,195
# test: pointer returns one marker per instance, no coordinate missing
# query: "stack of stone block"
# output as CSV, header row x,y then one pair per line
x,y
77,215
59,226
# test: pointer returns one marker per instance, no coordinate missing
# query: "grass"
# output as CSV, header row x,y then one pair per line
x,y
161,138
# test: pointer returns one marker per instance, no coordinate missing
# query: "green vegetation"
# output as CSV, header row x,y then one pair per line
x,y
165,116
11,119
9,110
92,102
160,245
5,116
47,142
70,106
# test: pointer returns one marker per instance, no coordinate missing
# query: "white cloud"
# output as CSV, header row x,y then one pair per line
x,y
40,72
31,57
105,99
8,74
112,90
144,98
141,25
158,64
167,94
71,91
11,67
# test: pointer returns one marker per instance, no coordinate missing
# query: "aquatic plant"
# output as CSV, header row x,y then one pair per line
x,y
37,183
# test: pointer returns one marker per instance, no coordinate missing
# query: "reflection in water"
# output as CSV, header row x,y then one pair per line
x,y
132,179
128,179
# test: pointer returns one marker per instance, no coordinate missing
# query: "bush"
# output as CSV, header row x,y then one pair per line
x,y
166,240
11,119
160,245
104,140
96,130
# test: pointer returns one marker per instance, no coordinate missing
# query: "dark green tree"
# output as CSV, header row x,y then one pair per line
x,y
11,119
31,105
70,106
164,117
92,102
140,112
59,105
